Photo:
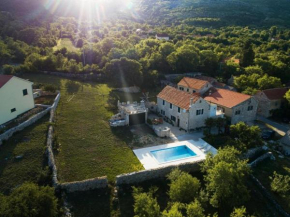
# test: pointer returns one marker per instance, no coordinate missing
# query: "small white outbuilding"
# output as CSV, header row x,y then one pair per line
x,y
16,97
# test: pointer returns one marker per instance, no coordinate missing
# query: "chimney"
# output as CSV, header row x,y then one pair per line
x,y
191,101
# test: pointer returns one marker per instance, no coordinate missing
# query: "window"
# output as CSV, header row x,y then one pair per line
x,y
170,105
181,88
250,108
163,102
25,92
178,109
187,90
238,112
173,118
193,91
13,110
199,112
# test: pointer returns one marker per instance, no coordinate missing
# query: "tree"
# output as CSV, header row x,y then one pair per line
x,y
195,209
239,212
268,82
184,59
248,54
30,200
8,70
145,205
287,96
225,176
220,122
280,184
183,188
249,136
254,70
210,123
124,71
166,48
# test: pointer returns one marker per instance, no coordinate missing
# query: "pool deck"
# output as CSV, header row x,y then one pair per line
x,y
199,146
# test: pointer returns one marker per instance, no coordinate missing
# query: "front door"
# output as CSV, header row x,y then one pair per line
x,y
178,122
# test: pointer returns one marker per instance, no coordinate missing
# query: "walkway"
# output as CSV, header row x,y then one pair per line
x,y
279,128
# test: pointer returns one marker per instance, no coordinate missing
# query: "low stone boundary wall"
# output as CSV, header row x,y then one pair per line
x,y
146,175
261,158
85,185
269,196
33,119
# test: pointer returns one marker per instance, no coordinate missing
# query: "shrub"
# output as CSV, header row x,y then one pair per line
x,y
50,88
280,184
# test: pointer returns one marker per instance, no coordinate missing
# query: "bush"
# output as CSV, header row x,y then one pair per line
x,y
149,121
280,184
50,88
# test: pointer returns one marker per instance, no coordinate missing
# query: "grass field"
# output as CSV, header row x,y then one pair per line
x,y
31,144
87,146
67,43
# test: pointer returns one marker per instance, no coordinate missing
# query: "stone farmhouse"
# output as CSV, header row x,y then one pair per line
x,y
192,85
270,100
195,100
16,97
186,110
237,106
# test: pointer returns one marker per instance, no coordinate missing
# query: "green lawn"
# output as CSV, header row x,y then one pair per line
x,y
31,144
88,147
65,42
266,169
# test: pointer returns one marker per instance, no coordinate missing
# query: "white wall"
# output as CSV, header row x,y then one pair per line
x,y
188,119
191,90
11,96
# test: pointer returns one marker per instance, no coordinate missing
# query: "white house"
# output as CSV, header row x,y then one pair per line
x,y
16,97
162,36
186,110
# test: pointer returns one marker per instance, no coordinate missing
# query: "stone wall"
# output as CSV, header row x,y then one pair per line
x,y
20,127
89,184
146,175
262,158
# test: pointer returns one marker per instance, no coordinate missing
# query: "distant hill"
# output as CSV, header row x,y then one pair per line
x,y
196,12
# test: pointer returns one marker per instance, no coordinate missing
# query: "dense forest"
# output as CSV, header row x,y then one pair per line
x,y
202,38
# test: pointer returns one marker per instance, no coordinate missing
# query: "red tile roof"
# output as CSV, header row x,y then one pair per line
x,y
193,83
177,97
4,79
226,98
206,78
276,93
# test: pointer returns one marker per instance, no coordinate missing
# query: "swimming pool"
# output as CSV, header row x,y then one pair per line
x,y
172,154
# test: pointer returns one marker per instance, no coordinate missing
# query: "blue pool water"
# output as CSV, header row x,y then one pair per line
x,y
172,154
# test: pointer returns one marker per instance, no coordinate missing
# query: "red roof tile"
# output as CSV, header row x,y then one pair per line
x,y
177,97
206,78
226,98
276,93
192,83
4,79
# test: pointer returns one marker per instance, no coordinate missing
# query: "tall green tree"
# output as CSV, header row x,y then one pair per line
x,y
225,177
248,54
29,200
